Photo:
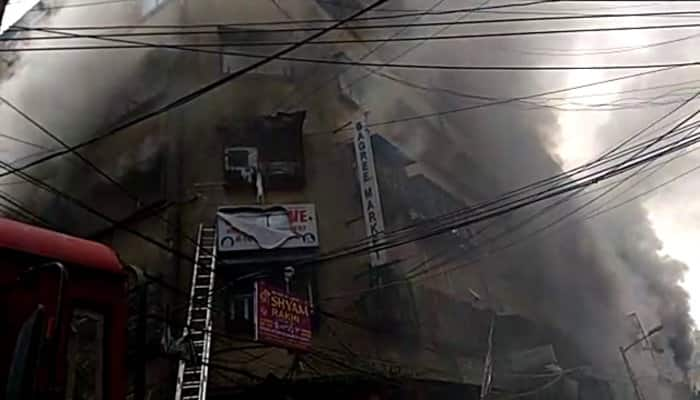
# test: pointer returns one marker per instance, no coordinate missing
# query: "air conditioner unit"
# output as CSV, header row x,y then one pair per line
x,y
241,164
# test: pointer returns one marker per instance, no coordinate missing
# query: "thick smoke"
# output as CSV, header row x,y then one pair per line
x,y
584,277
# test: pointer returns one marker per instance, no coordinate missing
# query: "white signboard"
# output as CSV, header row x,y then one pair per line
x,y
285,226
369,190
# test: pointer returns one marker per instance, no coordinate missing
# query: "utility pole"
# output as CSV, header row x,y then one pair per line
x,y
635,385
647,343
623,352
487,374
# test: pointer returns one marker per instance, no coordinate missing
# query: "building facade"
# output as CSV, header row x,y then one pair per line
x,y
272,162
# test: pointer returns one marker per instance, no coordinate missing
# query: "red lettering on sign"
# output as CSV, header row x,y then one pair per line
x,y
298,216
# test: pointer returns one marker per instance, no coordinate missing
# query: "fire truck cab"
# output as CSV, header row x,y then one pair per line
x,y
63,314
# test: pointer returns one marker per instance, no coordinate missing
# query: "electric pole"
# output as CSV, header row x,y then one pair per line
x,y
623,352
635,385
647,343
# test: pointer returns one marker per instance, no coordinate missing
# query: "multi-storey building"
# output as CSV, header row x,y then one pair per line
x,y
272,164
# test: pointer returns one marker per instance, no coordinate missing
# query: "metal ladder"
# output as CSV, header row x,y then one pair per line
x,y
192,374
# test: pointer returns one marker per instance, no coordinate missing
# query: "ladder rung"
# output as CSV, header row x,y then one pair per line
x,y
193,376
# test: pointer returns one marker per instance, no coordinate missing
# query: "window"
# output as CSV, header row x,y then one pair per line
x,y
240,312
85,351
241,164
271,146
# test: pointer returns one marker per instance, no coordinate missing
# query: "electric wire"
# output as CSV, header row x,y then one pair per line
x,y
334,76
618,50
79,5
412,14
12,170
481,35
202,90
653,189
412,66
24,142
429,274
508,207
609,156
637,152
405,119
402,54
82,158
547,227
149,31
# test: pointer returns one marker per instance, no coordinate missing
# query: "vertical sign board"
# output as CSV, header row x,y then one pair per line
x,y
281,318
369,190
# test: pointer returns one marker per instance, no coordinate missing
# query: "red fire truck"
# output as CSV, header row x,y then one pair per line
x,y
63,315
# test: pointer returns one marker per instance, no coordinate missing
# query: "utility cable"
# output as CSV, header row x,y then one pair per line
x,y
24,142
637,152
183,100
482,35
335,75
395,58
209,87
82,158
612,155
201,48
547,227
150,31
80,5
462,109
428,274
411,14
521,203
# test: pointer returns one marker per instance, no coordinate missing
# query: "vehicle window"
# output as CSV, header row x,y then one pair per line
x,y
84,354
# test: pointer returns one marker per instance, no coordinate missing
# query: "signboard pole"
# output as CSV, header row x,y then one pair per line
x,y
256,325
369,191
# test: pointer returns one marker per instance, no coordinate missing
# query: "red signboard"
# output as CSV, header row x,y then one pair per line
x,y
281,318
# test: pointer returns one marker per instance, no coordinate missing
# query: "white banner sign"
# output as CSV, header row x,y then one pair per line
x,y
369,190
285,226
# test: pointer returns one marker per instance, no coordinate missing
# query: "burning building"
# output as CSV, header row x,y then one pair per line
x,y
236,203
